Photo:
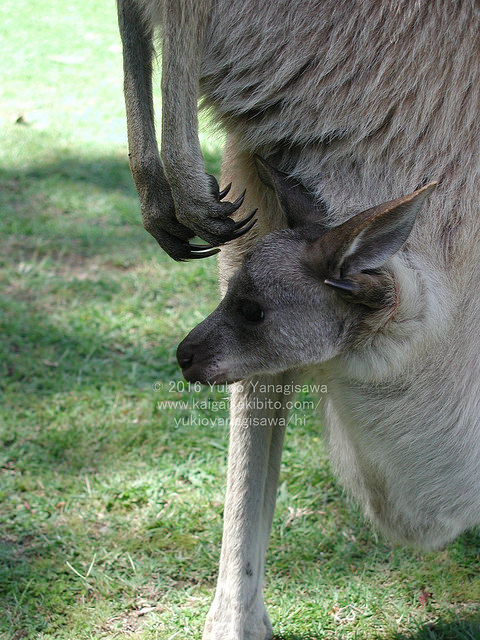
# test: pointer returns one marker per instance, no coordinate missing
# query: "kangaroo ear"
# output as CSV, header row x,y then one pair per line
x,y
365,243
295,200
369,239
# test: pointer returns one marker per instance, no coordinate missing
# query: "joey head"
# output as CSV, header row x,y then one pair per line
x,y
304,294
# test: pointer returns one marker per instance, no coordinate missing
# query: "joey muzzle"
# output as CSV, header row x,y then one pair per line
x,y
196,353
189,357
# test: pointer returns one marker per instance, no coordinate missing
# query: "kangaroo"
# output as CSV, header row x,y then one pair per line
x,y
351,105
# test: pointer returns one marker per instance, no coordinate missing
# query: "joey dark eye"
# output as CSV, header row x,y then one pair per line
x,y
251,311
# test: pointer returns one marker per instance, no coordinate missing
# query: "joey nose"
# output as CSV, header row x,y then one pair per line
x,y
185,355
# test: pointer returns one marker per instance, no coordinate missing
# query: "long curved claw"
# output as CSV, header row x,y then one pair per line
x,y
200,247
222,209
222,194
196,254
237,231
243,222
243,231
238,202
215,188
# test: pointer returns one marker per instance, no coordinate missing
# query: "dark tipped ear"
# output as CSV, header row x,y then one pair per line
x,y
365,243
295,200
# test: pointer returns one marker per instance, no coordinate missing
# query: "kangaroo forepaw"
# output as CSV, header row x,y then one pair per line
x,y
212,220
174,224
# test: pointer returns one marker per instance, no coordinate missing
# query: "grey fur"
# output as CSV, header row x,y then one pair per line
x,y
359,102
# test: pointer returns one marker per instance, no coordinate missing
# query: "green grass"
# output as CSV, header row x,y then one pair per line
x,y
111,507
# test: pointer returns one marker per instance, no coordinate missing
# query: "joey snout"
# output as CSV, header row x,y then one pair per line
x,y
199,354
192,356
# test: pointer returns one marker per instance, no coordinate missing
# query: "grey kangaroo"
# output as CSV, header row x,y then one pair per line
x,y
351,106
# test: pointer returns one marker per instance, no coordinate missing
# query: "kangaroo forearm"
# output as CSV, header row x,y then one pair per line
x,y
184,29
145,162
137,43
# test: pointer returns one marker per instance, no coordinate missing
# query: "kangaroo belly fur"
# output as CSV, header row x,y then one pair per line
x,y
363,101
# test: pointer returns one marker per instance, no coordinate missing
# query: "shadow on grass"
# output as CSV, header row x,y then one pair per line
x,y
41,357
71,207
110,173
61,385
